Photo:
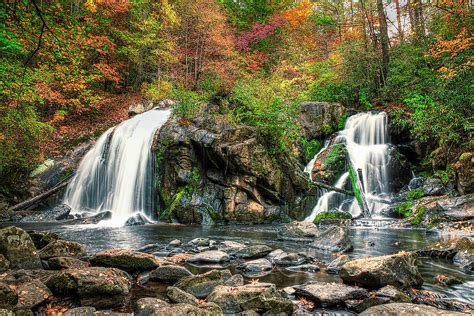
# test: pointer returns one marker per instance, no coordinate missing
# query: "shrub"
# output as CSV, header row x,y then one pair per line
x,y
332,215
415,194
157,90
404,209
310,148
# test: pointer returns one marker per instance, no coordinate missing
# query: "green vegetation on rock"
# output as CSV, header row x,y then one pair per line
x,y
332,215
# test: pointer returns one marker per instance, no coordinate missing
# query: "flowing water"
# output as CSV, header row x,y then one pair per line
x,y
366,138
117,173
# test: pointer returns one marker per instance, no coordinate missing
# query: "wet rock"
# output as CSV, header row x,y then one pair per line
x,y
8,297
235,280
57,213
137,220
433,186
438,300
465,259
320,119
299,230
4,263
335,266
102,216
6,312
399,270
275,254
329,165
464,173
177,295
290,259
305,268
416,183
175,243
60,263
447,280
333,239
256,267
393,294
140,107
169,273
457,208
95,286
330,294
253,252
32,294
446,249
261,298
125,259
18,248
231,247
399,169
62,248
405,309
199,242
203,284
42,239
148,306
210,256
81,311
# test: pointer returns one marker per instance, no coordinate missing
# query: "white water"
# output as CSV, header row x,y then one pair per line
x,y
116,174
366,138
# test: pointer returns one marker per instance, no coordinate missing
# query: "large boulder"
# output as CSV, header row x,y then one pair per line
x,y
210,256
95,286
125,259
330,294
62,248
446,249
330,164
257,267
169,273
394,309
253,252
399,270
148,306
57,213
319,119
262,298
8,297
456,208
32,293
465,173
16,246
334,239
202,285
298,231
41,239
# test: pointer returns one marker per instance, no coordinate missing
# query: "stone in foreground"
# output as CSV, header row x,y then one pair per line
x,y
169,273
395,309
330,294
202,285
16,245
62,248
334,239
148,306
125,259
256,267
399,270
254,252
211,256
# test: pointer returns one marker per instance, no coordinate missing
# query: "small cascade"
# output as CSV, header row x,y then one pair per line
x,y
117,173
367,141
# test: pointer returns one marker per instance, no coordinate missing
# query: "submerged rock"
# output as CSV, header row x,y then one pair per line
x,y
210,256
62,248
203,284
399,270
330,294
253,252
405,309
18,248
262,298
125,259
334,239
169,273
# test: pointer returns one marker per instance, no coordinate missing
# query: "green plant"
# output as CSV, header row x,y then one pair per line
x,y
415,194
342,121
404,209
418,217
157,90
355,186
310,148
187,102
332,215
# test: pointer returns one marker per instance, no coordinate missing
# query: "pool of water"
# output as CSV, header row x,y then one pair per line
x,y
367,242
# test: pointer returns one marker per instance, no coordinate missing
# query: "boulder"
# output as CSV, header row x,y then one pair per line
x,y
62,248
406,309
335,266
177,295
94,219
57,213
230,247
330,164
175,243
262,298
299,230
393,294
60,263
32,294
235,280
203,284
399,270
334,239
4,263
81,311
42,239
8,297
200,242
446,248
148,306
137,220
18,248
140,107
275,254
125,259
253,252
399,169
210,256
290,259
465,259
169,273
416,183
465,172
319,119
456,208
330,294
256,267
433,186
95,286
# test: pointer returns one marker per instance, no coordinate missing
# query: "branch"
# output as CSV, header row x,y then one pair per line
x,y
43,27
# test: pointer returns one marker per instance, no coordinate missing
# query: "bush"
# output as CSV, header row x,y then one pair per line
x,y
187,102
310,148
157,90
404,209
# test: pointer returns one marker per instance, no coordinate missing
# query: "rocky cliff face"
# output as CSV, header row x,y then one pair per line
x,y
212,171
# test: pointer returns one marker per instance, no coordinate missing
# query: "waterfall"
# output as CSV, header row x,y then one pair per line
x,y
366,138
116,174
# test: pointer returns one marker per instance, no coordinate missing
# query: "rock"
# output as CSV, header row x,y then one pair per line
x,y
253,252
275,254
333,239
4,263
433,186
446,249
148,306
175,243
230,247
140,107
235,280
6,312
125,259
42,239
298,230
464,173
8,297
305,268
399,169
81,311
256,267
177,295
60,263
169,273
62,248
32,294
330,294
211,308
456,208
290,259
95,286
335,266
210,256
18,248
399,270
200,242
416,183
330,164
465,259
180,310
261,298
137,220
320,119
405,309
60,212
447,280
392,293
94,219
203,284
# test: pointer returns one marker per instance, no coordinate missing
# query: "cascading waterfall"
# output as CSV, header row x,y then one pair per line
x,y
116,174
366,138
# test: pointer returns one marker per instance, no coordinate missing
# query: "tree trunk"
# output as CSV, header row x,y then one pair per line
x,y
384,41
399,20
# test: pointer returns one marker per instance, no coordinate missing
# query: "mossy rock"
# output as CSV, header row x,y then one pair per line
x,y
330,164
332,215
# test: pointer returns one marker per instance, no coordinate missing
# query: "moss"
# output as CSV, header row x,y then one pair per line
x,y
404,209
175,200
415,194
465,156
310,148
342,121
334,155
332,215
355,187
419,214
327,129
